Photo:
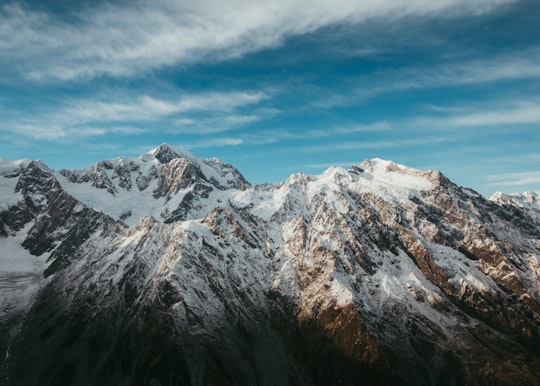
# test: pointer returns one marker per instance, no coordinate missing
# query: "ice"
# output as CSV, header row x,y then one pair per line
x,y
8,196
21,275
9,171
15,259
529,200
128,205
393,182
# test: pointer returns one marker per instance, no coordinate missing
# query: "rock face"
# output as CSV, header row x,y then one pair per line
x,y
171,270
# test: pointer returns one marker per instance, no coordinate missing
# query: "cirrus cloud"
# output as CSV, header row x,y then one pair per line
x,y
125,39
125,114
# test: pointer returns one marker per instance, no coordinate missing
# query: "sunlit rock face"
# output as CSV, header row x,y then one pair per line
x,y
171,270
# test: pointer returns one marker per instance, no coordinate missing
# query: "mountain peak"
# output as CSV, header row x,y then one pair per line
x,y
165,153
383,268
521,200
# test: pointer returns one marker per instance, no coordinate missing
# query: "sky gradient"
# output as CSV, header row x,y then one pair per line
x,y
278,87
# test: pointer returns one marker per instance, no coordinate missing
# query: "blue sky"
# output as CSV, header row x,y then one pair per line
x,y
278,87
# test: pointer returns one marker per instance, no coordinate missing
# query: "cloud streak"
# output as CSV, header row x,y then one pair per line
x,y
365,145
214,142
493,115
514,179
518,65
115,40
148,108
124,115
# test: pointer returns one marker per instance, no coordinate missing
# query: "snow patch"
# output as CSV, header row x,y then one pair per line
x,y
15,259
21,276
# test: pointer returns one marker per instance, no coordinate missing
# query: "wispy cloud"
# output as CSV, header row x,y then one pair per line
x,y
511,66
124,115
522,113
273,136
213,142
146,108
120,40
493,114
365,145
514,179
374,127
215,123
56,131
522,64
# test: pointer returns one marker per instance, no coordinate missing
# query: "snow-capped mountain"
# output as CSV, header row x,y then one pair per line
x,y
172,270
165,183
529,200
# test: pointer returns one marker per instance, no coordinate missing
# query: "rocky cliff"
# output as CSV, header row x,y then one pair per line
x,y
171,270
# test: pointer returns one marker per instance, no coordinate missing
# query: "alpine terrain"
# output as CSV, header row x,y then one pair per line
x,y
172,270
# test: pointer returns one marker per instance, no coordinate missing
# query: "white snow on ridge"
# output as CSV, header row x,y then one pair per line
x,y
21,276
390,181
386,179
8,196
129,205
7,166
173,151
15,259
8,181
132,204
397,280
527,200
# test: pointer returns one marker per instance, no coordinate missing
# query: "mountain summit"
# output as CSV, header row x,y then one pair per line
x,y
165,153
167,269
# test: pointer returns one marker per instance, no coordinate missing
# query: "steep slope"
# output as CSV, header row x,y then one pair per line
x,y
166,183
191,276
528,201
41,227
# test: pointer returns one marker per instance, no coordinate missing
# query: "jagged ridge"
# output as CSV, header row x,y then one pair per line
x,y
167,269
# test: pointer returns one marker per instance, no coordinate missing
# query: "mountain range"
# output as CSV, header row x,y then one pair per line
x,y
168,269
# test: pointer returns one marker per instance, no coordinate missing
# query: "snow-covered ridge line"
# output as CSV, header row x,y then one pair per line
x,y
160,181
163,181
395,269
155,184
529,200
